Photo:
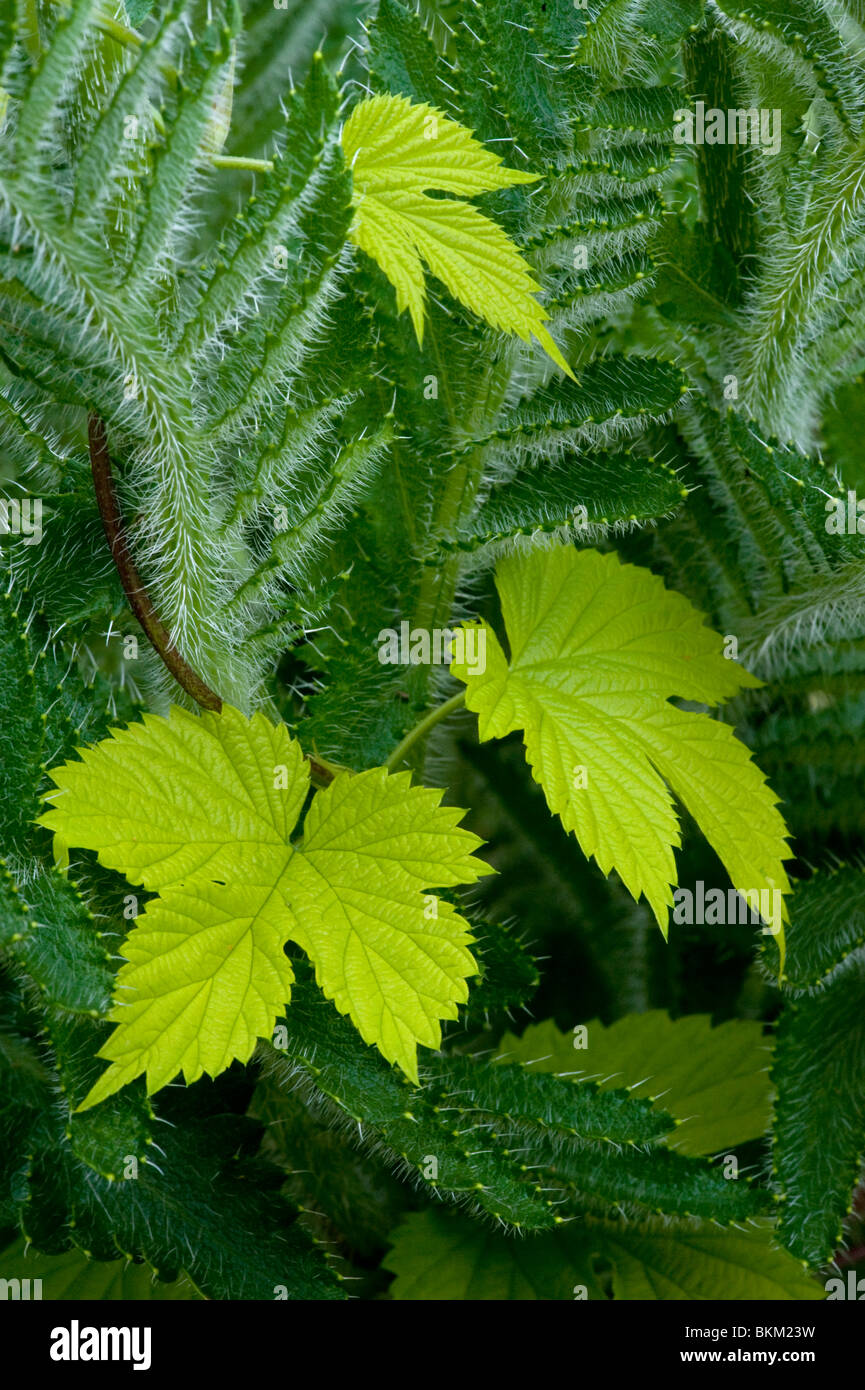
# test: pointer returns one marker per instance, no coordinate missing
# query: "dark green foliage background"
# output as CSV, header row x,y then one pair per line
x,y
718,337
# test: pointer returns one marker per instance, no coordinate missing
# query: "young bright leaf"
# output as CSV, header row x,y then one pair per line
x,y
398,151
598,649
205,976
201,809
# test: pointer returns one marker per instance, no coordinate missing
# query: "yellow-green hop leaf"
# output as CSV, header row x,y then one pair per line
x,y
398,152
205,976
171,800
202,810
388,955
598,649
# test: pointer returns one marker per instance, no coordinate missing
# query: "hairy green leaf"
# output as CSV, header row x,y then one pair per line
x,y
819,1059
714,1081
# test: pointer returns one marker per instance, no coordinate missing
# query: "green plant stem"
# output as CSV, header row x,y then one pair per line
x,y
230,161
435,600
422,728
723,175
130,38
31,38
121,33
438,587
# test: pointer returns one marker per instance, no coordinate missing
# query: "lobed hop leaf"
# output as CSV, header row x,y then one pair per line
x,y
203,811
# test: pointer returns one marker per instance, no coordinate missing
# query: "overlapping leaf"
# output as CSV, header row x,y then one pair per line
x,y
715,1081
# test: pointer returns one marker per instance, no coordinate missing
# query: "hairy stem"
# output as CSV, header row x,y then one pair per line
x,y
139,599
722,170
788,308
436,597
